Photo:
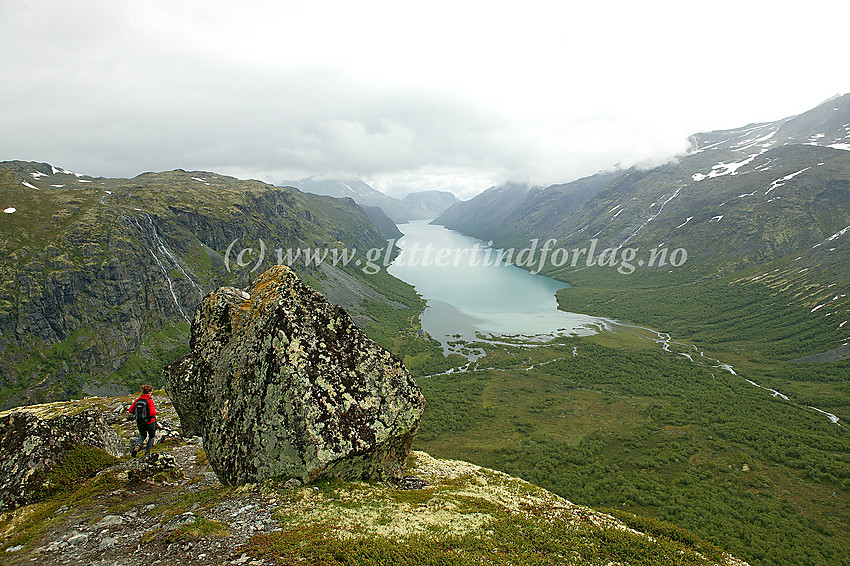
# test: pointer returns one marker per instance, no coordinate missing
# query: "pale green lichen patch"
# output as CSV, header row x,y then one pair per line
x,y
381,516
52,410
461,498
103,404
466,515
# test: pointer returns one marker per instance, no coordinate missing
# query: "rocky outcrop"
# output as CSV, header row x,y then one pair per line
x,y
30,445
281,383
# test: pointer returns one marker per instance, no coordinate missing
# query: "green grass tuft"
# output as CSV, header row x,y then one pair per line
x,y
199,529
79,464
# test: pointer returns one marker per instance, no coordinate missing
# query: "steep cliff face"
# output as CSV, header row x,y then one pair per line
x,y
279,382
99,277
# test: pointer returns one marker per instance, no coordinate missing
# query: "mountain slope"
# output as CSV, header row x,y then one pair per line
x,y
350,188
727,214
791,171
512,215
384,223
481,215
100,277
826,125
429,204
764,196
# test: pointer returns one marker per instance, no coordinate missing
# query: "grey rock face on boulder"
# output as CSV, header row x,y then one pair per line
x,y
281,383
29,444
149,466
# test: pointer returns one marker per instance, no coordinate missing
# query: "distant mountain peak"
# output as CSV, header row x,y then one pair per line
x,y
418,205
835,96
825,125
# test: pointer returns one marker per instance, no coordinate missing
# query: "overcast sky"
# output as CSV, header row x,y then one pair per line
x,y
448,95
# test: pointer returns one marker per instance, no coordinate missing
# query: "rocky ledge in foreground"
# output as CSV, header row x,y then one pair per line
x,y
458,513
281,383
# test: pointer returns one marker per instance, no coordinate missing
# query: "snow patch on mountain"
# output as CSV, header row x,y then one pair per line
x,y
833,237
743,146
688,219
710,146
779,182
767,165
723,168
837,234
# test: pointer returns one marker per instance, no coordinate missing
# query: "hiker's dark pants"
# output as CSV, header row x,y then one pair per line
x,y
146,430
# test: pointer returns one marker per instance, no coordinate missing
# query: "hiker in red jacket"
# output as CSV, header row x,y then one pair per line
x,y
145,412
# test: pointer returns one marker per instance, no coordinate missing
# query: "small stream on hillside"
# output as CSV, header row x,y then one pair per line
x,y
665,341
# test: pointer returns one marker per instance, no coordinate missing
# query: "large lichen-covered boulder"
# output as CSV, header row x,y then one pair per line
x,y
281,383
30,447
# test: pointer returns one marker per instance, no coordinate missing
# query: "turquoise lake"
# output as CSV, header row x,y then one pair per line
x,y
472,295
